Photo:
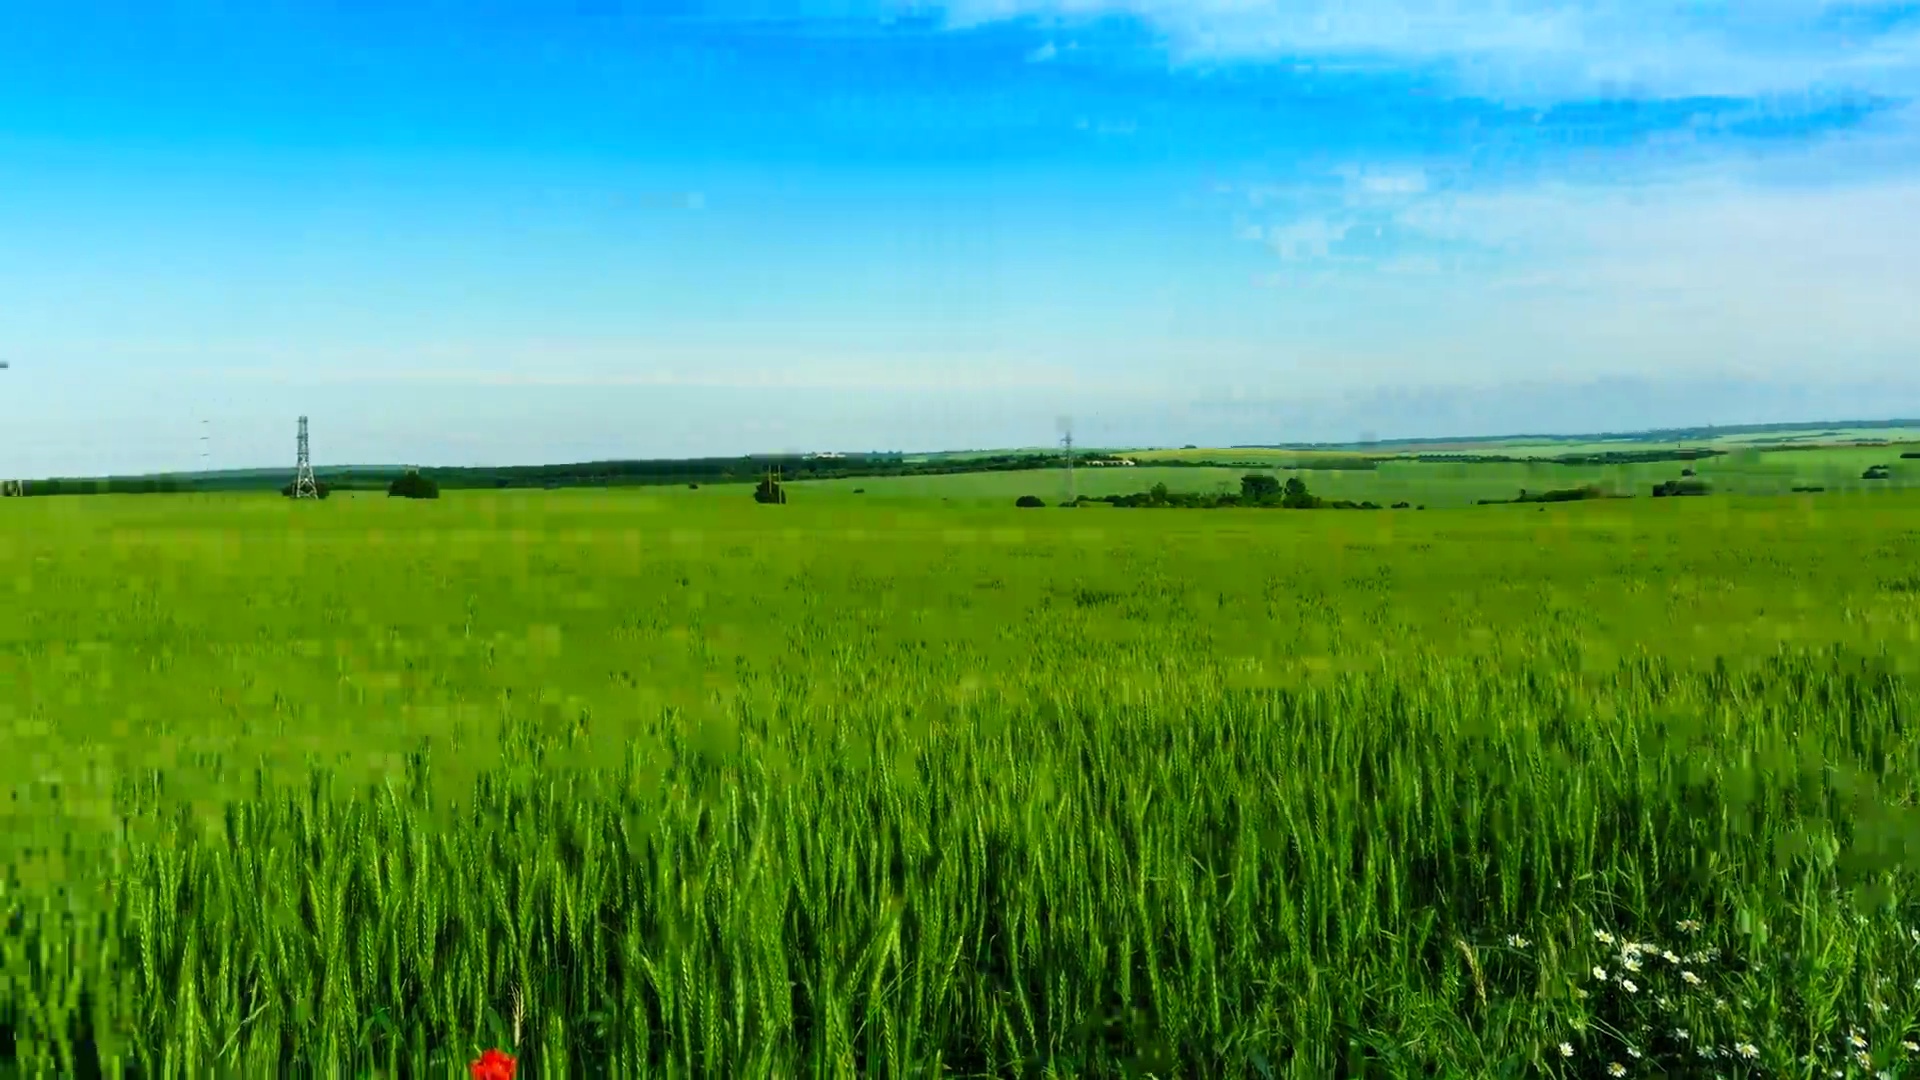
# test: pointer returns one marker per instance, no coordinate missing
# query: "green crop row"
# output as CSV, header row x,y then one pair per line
x,y
1405,869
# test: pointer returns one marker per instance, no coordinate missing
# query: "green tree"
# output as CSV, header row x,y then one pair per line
x,y
1258,487
1029,500
412,485
1296,495
769,491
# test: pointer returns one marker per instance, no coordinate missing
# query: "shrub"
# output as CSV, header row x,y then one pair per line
x,y
1679,487
1029,500
769,491
1876,472
1258,487
412,485
1589,491
1296,495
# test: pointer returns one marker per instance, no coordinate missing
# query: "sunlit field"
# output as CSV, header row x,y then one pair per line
x,y
1750,472
666,783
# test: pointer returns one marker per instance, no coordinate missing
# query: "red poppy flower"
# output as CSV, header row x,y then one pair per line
x,y
493,1065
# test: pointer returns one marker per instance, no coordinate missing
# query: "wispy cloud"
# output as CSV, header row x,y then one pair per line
x,y
1533,48
955,379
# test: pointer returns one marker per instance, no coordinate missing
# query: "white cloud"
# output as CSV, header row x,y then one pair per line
x,y
1700,277
1524,48
1789,267
1043,54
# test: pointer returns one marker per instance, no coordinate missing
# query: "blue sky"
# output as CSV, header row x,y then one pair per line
x,y
517,231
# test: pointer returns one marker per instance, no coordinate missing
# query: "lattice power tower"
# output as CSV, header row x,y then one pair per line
x,y
303,485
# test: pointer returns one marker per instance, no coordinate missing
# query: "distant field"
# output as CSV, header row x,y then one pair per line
x,y
1433,484
1901,438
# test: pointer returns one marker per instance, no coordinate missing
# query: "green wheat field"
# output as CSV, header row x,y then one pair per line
x,y
668,784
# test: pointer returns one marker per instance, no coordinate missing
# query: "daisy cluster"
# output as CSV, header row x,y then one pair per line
x,y
1637,1006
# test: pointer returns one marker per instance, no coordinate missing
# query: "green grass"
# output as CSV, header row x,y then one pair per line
x,y
1433,484
899,789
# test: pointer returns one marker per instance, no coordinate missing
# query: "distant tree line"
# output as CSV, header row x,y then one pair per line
x,y
113,485
1607,457
1305,464
676,472
1827,428
1259,490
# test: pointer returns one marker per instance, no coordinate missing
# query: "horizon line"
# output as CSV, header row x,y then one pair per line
x,y
1639,435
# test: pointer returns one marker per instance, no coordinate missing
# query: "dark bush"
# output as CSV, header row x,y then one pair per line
x,y
320,488
1029,500
412,485
1589,491
1679,487
1296,496
769,491
1876,472
1259,487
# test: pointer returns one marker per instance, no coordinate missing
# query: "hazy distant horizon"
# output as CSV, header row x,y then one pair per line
x,y
1894,422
